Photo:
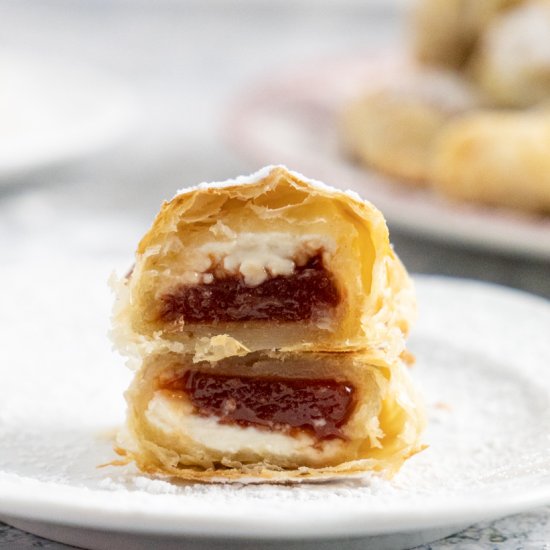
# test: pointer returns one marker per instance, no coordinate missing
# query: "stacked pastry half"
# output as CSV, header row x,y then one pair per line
x,y
266,318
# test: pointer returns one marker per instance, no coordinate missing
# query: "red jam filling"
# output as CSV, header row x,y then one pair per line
x,y
320,407
295,297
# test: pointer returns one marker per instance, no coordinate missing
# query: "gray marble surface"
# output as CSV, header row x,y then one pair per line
x,y
523,531
187,62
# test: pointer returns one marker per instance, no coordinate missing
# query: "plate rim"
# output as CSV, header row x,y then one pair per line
x,y
20,497
360,523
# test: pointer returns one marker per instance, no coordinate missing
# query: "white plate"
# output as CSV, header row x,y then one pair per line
x,y
52,113
293,119
482,364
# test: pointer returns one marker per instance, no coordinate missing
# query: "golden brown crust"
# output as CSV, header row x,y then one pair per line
x,y
381,437
393,130
359,341
378,300
264,474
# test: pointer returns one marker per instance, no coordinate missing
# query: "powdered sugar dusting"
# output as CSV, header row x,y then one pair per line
x,y
263,173
482,358
519,38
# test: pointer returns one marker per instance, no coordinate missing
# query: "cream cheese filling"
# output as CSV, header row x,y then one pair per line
x,y
255,256
174,417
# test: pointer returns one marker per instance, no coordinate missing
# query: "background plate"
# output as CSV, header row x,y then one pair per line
x,y
293,119
482,357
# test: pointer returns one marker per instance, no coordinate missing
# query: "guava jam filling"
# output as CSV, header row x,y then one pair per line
x,y
320,407
286,298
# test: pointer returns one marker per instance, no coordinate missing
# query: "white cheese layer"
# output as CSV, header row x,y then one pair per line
x,y
174,416
255,256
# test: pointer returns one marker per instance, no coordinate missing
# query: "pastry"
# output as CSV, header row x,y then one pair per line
x,y
513,62
393,129
274,261
271,416
496,157
435,128
446,32
266,320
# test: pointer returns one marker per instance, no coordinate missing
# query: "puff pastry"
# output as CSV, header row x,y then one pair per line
x,y
498,158
393,129
513,62
266,319
271,416
446,32
274,261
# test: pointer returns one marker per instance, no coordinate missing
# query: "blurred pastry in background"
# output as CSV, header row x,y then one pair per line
x,y
498,158
393,129
446,128
512,65
445,32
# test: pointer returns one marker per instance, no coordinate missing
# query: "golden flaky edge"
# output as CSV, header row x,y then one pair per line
x,y
386,319
386,313
404,421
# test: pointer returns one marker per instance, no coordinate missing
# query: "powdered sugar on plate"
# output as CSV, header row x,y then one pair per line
x,y
482,365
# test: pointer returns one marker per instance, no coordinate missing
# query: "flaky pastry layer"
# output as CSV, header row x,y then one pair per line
x,y
265,226
164,436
